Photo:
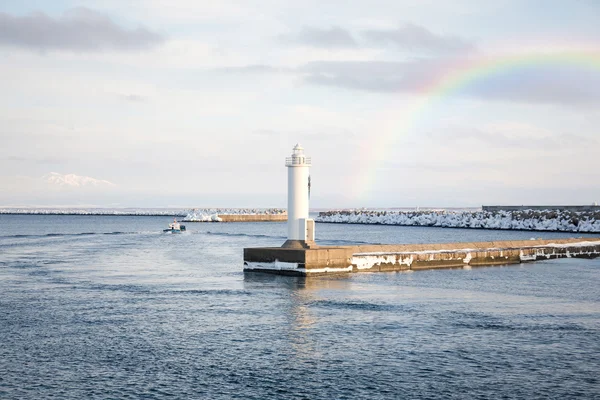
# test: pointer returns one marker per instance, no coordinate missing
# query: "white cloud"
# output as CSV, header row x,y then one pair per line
x,y
412,37
330,38
551,82
72,180
79,29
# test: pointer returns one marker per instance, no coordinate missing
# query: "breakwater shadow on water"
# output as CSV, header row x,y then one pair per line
x,y
261,280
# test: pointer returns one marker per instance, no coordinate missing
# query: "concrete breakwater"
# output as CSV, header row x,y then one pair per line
x,y
592,207
144,212
190,215
252,218
236,215
386,258
535,220
194,215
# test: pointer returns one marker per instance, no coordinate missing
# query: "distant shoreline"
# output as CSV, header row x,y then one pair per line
x,y
96,214
200,214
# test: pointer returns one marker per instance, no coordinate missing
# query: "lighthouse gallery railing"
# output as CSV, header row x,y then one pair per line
x,y
289,161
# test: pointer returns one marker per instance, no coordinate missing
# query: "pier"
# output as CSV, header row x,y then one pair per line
x,y
301,256
325,260
252,218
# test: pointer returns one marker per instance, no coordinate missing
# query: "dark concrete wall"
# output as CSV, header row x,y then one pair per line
x,y
540,208
253,218
381,258
455,255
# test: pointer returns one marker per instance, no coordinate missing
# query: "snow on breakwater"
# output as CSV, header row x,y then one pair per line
x,y
537,220
213,214
188,214
172,212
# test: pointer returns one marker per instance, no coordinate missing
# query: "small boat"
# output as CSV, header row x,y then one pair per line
x,y
175,227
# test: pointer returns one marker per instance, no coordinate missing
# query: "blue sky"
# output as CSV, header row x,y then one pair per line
x,y
191,103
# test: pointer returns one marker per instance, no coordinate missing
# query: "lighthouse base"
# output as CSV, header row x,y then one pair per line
x,y
299,244
300,261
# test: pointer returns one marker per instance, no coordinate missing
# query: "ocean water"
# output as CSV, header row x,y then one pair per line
x,y
110,307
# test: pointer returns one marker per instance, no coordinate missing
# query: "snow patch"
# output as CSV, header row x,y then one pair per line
x,y
202,218
369,260
280,266
524,257
468,258
275,265
327,270
564,245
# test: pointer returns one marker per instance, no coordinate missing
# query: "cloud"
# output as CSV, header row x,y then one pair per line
x,y
134,98
79,29
513,136
534,84
72,180
375,76
253,69
411,37
407,37
329,38
549,84
36,160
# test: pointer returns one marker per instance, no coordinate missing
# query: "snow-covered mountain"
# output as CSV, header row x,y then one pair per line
x,y
72,180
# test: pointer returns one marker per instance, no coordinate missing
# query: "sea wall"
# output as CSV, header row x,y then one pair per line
x,y
236,215
188,214
546,220
595,208
253,218
385,258
146,212
464,255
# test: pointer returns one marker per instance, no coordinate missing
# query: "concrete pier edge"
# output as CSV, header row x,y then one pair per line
x,y
327,260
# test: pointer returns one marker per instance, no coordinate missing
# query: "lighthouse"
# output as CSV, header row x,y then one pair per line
x,y
301,229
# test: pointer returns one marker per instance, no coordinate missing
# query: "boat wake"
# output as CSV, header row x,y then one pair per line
x,y
244,235
50,235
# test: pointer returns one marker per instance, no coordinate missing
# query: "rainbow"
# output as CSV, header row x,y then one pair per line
x,y
454,79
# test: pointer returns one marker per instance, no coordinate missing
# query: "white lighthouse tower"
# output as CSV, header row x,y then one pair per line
x,y
301,229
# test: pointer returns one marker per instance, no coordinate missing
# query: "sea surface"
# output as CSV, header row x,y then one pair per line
x,y
99,307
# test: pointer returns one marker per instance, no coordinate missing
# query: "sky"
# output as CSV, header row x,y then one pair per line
x,y
403,103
